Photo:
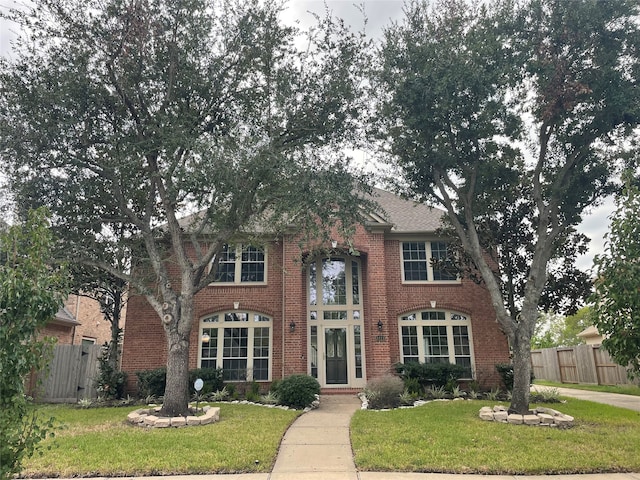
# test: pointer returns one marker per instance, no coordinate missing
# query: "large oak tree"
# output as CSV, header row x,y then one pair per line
x,y
510,114
123,115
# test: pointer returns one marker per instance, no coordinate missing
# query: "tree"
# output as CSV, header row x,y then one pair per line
x,y
617,295
510,112
111,293
128,115
555,330
31,292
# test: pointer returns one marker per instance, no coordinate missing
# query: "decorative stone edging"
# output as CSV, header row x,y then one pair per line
x,y
417,403
145,417
541,416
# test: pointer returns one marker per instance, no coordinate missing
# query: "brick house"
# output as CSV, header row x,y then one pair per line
x,y
62,327
342,313
80,322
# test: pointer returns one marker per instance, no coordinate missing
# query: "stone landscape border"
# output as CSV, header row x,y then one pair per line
x,y
146,417
541,416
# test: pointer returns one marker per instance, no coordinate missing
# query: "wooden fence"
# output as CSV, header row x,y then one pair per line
x,y
70,375
579,364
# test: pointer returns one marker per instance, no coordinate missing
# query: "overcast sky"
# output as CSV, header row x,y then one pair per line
x,y
380,13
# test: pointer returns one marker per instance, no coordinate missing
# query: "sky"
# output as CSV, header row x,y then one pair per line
x,y
379,14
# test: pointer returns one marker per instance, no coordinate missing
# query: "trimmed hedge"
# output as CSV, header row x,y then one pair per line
x,y
430,374
153,382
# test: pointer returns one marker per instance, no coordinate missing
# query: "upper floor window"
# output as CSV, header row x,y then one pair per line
x,y
426,261
334,281
241,264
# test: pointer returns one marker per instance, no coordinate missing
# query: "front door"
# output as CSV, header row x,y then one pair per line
x,y
336,353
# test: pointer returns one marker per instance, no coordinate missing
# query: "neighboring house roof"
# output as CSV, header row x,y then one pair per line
x,y
65,317
590,331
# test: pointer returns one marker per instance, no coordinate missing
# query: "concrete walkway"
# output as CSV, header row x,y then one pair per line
x,y
317,445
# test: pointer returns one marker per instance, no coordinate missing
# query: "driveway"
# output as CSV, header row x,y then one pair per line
x,y
631,402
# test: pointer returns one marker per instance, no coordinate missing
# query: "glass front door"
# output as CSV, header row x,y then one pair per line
x,y
336,352
335,322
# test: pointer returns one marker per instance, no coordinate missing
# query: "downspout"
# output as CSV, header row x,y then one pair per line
x,y
73,332
284,308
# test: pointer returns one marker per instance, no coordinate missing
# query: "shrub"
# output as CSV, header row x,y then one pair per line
x,y
152,382
412,386
219,395
110,381
545,395
384,392
269,398
212,378
430,374
275,384
436,392
506,373
298,391
407,398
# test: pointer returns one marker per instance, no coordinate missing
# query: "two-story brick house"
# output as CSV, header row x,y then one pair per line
x,y
342,313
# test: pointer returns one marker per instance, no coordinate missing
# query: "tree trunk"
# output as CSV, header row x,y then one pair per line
x,y
176,394
521,345
114,347
178,328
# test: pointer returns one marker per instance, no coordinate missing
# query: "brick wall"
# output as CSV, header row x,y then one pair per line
x,y
63,332
284,299
93,325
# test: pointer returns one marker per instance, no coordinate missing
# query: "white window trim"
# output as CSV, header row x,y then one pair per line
x,y
347,323
430,275
448,323
238,268
251,325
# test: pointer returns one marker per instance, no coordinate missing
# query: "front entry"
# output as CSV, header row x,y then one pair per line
x,y
336,352
336,322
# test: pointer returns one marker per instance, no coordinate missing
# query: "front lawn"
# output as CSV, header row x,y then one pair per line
x,y
449,437
98,442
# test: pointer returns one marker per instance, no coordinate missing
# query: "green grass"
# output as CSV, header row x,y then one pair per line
x,y
450,438
443,437
98,442
623,389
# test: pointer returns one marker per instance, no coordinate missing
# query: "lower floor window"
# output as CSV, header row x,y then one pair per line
x,y
437,337
239,343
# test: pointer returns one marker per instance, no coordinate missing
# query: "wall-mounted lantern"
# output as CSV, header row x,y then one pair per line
x,y
292,327
380,325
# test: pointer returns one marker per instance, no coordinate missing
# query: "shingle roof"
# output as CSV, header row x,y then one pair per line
x,y
406,216
66,317
396,214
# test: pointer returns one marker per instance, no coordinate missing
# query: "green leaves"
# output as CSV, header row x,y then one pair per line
x,y
512,115
617,296
32,290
